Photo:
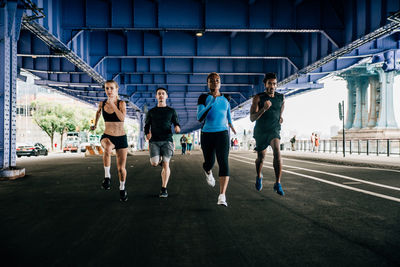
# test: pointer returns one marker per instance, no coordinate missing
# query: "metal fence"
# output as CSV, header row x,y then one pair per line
x,y
388,147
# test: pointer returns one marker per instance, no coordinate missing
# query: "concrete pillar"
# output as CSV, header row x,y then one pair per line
x,y
361,109
364,83
350,103
386,117
10,25
373,105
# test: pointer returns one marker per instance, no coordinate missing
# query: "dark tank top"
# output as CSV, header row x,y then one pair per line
x,y
270,119
110,116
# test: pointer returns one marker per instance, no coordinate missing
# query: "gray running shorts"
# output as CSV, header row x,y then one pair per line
x,y
161,148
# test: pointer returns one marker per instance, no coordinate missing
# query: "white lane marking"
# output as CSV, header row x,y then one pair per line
x,y
338,175
331,164
333,183
341,166
351,183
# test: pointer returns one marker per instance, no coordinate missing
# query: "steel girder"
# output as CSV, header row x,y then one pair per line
x,y
10,24
144,44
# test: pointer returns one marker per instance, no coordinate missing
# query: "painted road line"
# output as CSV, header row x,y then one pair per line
x,y
337,175
331,183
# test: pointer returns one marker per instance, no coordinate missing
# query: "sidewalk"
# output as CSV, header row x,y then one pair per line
x,y
392,162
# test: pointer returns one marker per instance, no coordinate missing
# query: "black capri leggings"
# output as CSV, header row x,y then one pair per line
x,y
215,143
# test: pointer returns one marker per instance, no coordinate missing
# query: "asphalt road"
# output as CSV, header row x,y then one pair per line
x,y
331,215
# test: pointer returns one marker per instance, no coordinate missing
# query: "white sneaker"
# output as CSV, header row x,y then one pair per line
x,y
210,179
222,200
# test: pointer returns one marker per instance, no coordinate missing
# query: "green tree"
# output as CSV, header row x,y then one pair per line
x,y
52,118
45,116
67,121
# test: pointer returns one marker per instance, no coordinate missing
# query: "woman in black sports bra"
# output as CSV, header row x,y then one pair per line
x,y
113,111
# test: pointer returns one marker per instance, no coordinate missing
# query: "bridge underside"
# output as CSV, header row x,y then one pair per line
x,y
74,46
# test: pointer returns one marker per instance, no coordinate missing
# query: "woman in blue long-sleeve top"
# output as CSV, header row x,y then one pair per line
x,y
214,111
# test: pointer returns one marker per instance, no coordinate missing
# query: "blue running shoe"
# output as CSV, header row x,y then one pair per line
x,y
259,185
278,189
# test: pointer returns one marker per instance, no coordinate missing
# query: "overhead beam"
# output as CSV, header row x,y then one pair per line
x,y
385,30
57,45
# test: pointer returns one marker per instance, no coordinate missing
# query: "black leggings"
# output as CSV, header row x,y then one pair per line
x,y
215,143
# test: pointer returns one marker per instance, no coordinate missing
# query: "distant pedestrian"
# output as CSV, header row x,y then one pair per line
x,y
316,146
236,144
158,131
266,110
232,142
114,136
189,143
312,142
293,142
183,141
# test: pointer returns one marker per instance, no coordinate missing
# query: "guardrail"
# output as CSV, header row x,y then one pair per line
x,y
388,147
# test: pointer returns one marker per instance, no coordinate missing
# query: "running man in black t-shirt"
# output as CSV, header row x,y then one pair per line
x,y
266,110
158,131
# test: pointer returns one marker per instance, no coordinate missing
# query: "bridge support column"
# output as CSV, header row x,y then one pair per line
x,y
374,104
361,110
351,103
380,122
386,117
10,25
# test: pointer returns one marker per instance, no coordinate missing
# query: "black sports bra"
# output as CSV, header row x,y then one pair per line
x,y
108,116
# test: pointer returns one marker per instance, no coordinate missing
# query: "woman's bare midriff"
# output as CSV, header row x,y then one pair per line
x,y
114,128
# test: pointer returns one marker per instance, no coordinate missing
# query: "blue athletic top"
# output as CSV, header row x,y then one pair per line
x,y
215,113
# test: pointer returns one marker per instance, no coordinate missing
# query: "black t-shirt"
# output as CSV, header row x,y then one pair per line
x,y
269,121
158,121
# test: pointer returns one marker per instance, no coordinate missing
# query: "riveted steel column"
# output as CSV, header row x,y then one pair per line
x,y
141,131
10,24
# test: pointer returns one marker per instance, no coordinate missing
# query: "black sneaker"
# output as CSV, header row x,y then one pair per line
x,y
163,192
106,183
123,195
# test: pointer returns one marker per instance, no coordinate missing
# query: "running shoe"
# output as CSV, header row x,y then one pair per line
x,y
163,192
106,184
222,200
259,185
278,189
210,179
123,195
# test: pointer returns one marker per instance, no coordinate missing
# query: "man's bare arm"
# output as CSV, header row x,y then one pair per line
x,y
255,112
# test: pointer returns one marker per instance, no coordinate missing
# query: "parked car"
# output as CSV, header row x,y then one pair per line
x,y
41,149
31,150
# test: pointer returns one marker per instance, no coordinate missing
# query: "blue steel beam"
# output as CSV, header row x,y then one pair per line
x,y
10,24
105,34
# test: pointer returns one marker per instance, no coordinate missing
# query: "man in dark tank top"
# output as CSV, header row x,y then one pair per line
x,y
266,110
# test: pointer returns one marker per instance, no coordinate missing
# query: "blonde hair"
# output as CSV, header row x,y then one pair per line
x,y
111,81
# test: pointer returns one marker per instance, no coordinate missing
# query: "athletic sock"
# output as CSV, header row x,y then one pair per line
x,y
107,172
121,185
